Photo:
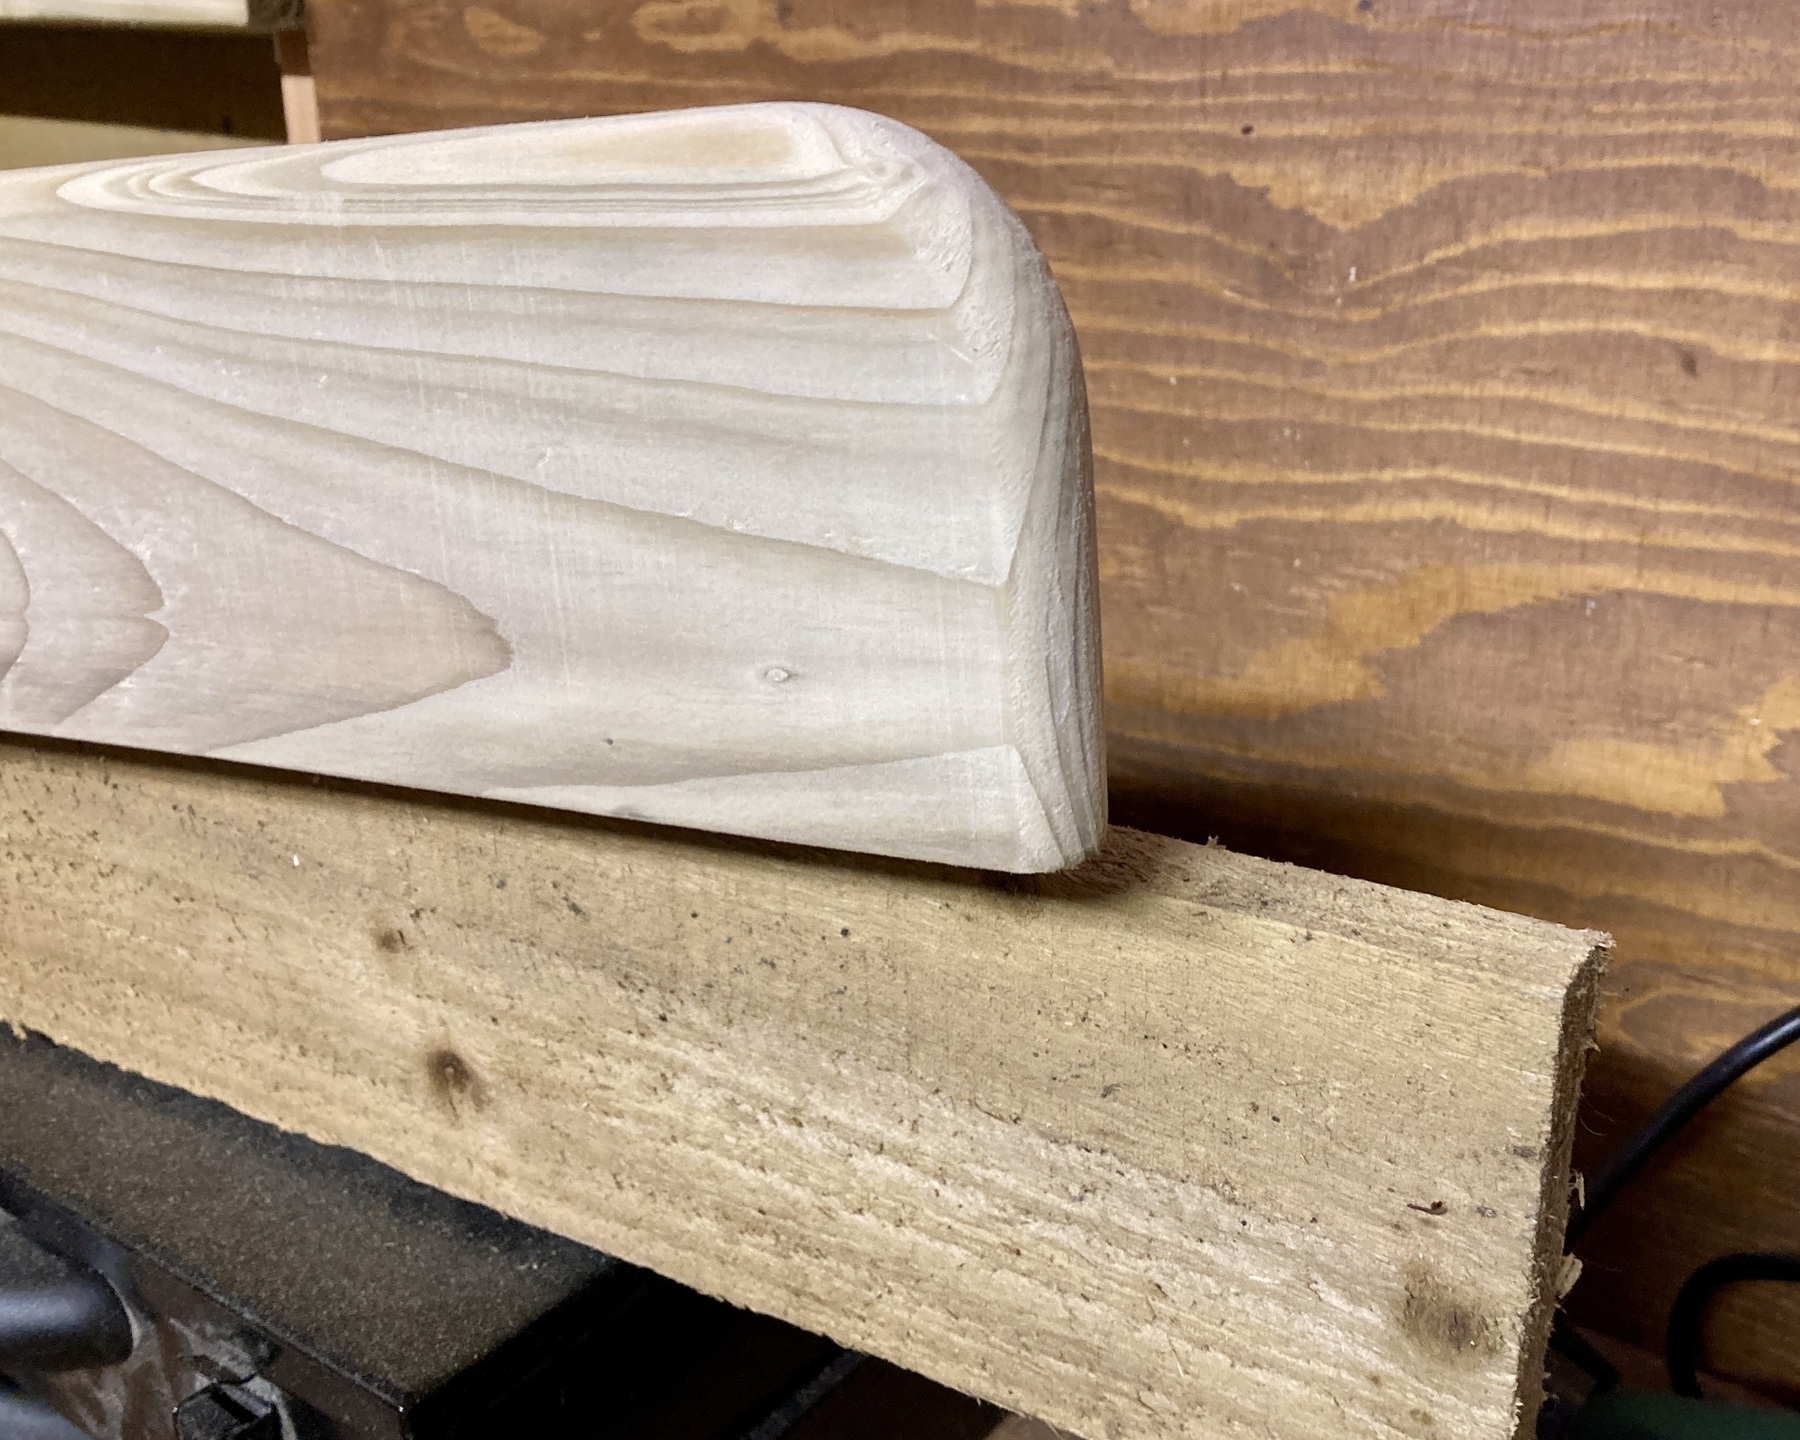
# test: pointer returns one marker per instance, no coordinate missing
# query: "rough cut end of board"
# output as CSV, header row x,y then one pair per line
x,y
726,468
1178,1143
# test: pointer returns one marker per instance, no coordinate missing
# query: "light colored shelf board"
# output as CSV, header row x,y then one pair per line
x,y
27,140
177,14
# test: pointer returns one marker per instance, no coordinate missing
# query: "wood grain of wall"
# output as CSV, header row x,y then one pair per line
x,y
1444,358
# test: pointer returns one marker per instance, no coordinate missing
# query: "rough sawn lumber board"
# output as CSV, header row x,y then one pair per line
x,y
1177,1143
726,468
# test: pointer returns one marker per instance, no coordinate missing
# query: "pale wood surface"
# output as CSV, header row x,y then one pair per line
x,y
36,140
300,108
205,13
725,469
299,96
178,14
1179,1142
1443,376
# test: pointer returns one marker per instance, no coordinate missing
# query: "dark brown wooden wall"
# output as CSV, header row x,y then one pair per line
x,y
218,82
1445,368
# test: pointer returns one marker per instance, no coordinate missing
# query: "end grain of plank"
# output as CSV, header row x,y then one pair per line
x,y
1178,1143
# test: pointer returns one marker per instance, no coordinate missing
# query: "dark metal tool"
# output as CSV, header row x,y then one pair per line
x,y
200,1276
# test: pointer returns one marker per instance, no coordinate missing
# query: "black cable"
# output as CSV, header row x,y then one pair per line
x,y
64,1327
1631,1157
1682,1344
805,1398
1676,1111
22,1418
55,1315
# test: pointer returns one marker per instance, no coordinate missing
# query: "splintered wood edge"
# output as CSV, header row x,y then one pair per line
x,y
1581,1006
1181,1142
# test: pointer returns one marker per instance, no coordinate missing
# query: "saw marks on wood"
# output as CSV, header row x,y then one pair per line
x,y
1176,1143
1444,362
724,469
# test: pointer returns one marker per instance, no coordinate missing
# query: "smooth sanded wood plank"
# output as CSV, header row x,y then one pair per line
x,y
1443,376
1177,1143
726,468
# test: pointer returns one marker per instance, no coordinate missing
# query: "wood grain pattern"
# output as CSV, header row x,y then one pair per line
x,y
1178,1143
1443,366
724,469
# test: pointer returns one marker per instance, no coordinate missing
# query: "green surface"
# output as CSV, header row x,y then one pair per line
x,y
1643,1415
